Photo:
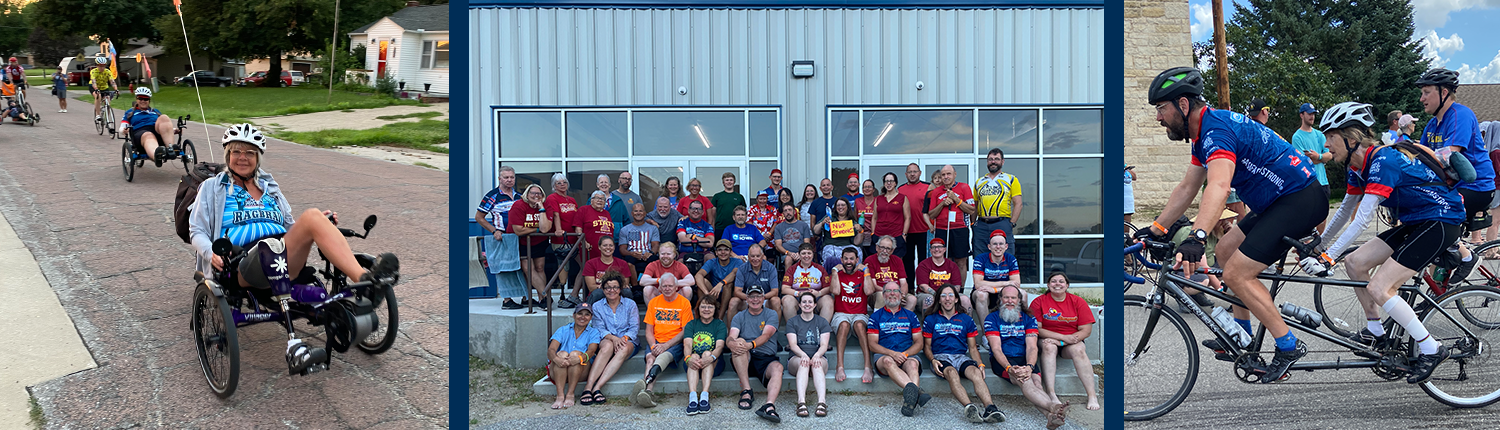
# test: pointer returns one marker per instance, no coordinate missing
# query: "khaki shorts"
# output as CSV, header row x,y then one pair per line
x,y
840,317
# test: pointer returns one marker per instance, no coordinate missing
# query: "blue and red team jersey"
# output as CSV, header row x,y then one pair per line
x,y
992,271
1460,128
1266,167
895,329
1408,186
1012,335
949,336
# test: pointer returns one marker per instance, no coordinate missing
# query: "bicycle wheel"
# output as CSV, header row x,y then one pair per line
x,y
127,161
1487,272
384,336
218,343
189,156
1341,310
1471,376
1160,376
99,125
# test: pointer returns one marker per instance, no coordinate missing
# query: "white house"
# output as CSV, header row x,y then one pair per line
x,y
409,46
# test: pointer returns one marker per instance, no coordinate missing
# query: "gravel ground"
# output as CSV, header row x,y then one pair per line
x,y
499,400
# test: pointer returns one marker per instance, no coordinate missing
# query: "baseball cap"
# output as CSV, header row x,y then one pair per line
x,y
1307,108
1406,120
1257,105
938,241
584,307
754,289
853,176
998,232
775,171
724,243
762,193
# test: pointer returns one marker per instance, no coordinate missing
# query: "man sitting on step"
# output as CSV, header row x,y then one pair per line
x,y
666,315
753,347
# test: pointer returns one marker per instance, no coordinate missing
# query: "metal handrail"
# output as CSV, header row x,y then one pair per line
x,y
561,265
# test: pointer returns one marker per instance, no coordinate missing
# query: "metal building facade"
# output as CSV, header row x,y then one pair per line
x,y
643,57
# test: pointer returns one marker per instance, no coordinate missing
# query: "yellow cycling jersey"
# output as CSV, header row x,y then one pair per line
x,y
99,77
994,196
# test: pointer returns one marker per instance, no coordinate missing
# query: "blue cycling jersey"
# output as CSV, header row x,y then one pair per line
x,y
1266,167
992,271
247,219
1408,186
949,335
141,119
1460,128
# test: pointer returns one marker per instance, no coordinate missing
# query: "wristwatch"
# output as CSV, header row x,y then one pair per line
x,y
1199,234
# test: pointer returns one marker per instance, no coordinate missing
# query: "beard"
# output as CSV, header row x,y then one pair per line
x,y
993,167
1010,314
1174,132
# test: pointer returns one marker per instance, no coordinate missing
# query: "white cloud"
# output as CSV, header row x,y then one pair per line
x,y
1203,20
1489,74
1443,45
1433,14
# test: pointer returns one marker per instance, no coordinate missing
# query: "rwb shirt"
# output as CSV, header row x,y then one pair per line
x,y
1399,180
1266,167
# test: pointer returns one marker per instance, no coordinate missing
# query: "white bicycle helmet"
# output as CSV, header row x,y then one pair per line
x,y
101,60
245,133
1347,114
143,92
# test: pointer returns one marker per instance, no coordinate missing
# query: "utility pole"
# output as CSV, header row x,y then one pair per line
x,y
1221,54
333,51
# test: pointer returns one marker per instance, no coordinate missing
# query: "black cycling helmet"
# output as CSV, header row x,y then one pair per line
x,y
1173,83
1440,77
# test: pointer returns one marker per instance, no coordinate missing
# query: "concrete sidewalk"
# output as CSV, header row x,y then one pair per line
x,y
40,340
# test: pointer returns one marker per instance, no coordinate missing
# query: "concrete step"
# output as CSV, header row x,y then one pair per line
x,y
675,380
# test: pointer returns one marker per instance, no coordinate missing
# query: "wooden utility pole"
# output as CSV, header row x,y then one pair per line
x,y
333,51
1221,54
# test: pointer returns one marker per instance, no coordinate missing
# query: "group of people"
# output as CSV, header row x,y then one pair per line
x,y
1023,344
1438,185
706,271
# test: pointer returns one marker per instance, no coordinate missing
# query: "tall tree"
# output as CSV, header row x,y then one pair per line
x,y
49,50
118,20
265,29
12,27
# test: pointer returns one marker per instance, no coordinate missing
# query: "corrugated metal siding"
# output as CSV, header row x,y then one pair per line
x,y
616,57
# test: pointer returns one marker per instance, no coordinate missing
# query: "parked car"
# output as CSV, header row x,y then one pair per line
x,y
256,78
297,77
204,77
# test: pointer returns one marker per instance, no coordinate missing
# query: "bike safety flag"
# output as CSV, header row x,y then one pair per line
x,y
145,66
842,228
108,48
178,3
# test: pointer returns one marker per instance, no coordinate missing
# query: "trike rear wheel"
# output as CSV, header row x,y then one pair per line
x,y
218,342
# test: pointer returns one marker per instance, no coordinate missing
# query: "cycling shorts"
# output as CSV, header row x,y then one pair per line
x,y
1476,203
1415,244
1293,215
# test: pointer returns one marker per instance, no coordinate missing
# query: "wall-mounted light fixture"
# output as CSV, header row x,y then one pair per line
x,y
802,69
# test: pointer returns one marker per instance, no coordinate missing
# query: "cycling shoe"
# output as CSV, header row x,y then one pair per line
x,y
303,359
161,153
1219,351
1425,364
1364,337
386,270
1282,362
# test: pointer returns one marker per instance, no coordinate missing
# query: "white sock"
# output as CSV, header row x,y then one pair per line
x,y
1375,327
692,397
1404,315
1468,258
703,397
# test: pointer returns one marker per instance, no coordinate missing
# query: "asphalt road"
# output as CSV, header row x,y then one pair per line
x,y
1331,399
108,249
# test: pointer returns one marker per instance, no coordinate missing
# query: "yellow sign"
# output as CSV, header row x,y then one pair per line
x,y
842,228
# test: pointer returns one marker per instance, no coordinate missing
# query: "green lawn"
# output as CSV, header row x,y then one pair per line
x,y
234,104
424,135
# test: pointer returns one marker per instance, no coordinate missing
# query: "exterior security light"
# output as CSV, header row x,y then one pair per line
x,y
802,68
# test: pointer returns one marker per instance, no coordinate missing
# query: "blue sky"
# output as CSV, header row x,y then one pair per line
x,y
1457,34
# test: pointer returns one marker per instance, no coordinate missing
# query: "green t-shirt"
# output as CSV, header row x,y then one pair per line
x,y
702,336
724,202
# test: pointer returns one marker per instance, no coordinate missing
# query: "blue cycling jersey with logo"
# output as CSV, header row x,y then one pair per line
x,y
949,335
895,329
1266,167
247,219
1400,181
1460,128
992,271
141,119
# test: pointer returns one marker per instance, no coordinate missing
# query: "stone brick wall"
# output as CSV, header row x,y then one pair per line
x,y
1156,38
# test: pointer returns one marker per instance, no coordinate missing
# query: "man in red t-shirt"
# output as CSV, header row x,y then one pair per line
x,y
666,269
935,272
593,273
807,277
915,190
949,205
882,268
850,310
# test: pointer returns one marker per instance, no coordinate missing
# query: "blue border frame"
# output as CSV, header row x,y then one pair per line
x,y
458,250
791,4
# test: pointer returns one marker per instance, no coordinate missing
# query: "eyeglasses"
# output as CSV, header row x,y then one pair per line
x,y
243,153
947,295
886,248
616,287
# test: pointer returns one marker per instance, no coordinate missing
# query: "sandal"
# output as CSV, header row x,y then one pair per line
x,y
586,399
821,410
768,413
802,409
599,398
747,400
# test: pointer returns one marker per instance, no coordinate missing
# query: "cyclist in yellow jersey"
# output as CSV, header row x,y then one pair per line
x,y
100,79
997,202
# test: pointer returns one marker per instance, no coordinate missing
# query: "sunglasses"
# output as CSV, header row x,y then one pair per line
x,y
144,99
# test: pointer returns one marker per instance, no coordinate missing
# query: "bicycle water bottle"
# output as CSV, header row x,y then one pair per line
x,y
1307,317
1226,322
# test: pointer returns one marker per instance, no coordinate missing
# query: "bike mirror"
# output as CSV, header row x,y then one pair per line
x,y
369,223
223,246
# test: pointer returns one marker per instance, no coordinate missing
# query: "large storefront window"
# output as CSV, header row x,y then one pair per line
x,y
655,144
1054,151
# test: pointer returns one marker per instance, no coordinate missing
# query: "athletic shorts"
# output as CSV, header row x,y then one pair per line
x,y
758,364
136,133
1293,215
960,361
1416,243
1476,203
875,361
957,240
840,317
1000,370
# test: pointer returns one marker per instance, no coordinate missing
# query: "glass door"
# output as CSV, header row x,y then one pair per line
x,y
651,177
711,173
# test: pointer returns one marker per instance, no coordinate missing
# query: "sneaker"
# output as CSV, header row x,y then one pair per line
x,y
161,152
703,406
1462,271
1425,364
972,413
545,303
527,302
923,398
1202,299
566,303
303,359
1220,353
387,270
692,408
647,399
993,415
909,396
510,305
62,111
1284,360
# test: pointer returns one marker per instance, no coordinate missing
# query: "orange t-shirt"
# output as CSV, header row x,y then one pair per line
x,y
668,318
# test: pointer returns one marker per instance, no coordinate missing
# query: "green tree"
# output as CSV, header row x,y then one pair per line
x,y
13,28
266,29
117,20
49,50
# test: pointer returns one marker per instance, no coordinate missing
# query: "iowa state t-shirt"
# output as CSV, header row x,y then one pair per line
x,y
804,279
890,271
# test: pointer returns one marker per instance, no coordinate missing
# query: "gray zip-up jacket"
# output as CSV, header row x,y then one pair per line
x,y
205,221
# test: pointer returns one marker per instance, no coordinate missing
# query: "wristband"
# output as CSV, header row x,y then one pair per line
x,y
1061,343
1158,226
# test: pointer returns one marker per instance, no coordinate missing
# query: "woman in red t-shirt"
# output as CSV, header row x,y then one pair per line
x,y
1065,321
594,270
529,219
865,207
892,214
595,222
561,208
695,190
